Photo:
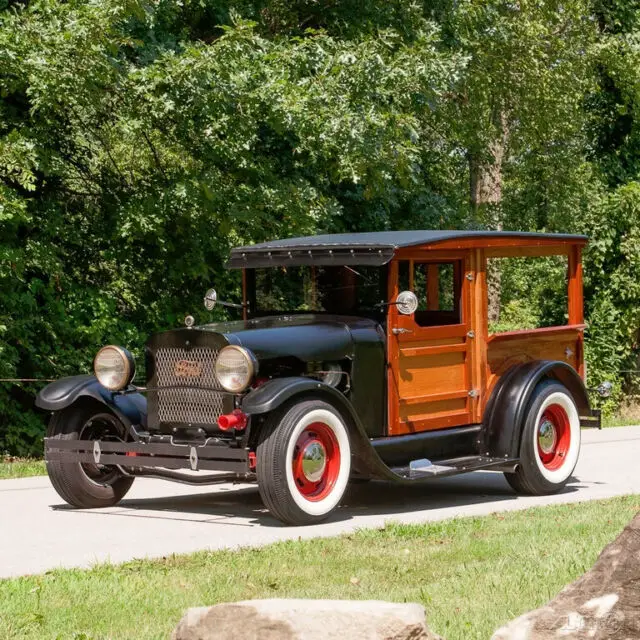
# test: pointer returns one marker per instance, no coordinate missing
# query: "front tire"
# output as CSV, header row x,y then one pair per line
x,y
550,442
85,485
303,462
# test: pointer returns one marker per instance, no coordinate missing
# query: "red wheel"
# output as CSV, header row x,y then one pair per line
x,y
303,462
554,437
316,461
550,442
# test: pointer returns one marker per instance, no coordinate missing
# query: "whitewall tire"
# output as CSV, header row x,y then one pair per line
x,y
550,443
303,462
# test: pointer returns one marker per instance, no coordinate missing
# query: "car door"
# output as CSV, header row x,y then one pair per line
x,y
429,352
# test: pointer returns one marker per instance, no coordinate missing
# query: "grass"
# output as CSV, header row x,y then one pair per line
x,y
21,468
628,413
618,421
471,574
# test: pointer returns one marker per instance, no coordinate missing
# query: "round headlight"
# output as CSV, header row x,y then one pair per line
x,y
114,367
235,368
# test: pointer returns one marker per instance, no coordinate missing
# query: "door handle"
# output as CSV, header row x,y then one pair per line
x,y
398,330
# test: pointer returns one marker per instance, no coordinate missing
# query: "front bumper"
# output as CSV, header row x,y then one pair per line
x,y
210,457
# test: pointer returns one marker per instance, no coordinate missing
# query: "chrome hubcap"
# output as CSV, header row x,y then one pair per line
x,y
314,461
547,436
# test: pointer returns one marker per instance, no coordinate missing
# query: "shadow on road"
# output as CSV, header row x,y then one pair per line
x,y
242,506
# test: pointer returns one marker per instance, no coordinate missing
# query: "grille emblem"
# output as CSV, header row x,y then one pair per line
x,y
187,369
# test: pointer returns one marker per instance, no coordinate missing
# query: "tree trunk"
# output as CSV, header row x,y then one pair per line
x,y
485,195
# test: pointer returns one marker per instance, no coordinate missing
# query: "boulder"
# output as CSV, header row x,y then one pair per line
x,y
305,620
603,603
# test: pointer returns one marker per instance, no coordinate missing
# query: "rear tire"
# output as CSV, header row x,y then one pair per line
x,y
550,442
303,462
84,485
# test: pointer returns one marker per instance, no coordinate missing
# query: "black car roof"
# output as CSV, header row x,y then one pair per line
x,y
372,248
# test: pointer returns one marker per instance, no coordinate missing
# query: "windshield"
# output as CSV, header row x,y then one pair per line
x,y
337,290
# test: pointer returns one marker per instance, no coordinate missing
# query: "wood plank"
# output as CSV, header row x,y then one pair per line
x,y
433,287
529,252
433,350
564,346
486,242
575,293
428,333
435,397
524,333
582,372
478,346
393,354
428,255
427,374
442,421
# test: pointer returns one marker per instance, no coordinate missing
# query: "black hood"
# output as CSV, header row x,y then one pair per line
x,y
307,337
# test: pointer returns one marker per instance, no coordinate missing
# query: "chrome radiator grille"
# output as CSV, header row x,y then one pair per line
x,y
187,388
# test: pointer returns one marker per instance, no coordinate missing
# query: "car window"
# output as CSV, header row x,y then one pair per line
x,y
340,289
437,286
526,293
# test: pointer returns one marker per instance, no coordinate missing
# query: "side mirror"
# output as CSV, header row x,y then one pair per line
x,y
605,389
407,302
210,299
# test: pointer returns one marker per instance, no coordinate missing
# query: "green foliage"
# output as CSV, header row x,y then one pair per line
x,y
612,285
138,145
140,141
533,292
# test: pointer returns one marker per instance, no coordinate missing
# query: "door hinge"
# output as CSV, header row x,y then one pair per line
x,y
471,334
469,277
473,393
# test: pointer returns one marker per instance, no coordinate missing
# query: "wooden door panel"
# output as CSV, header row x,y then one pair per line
x,y
430,372
433,415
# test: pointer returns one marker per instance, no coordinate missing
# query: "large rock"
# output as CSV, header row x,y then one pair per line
x,y
305,620
603,603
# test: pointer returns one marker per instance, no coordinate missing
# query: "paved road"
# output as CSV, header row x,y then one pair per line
x,y
38,532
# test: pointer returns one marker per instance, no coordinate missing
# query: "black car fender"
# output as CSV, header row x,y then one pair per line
x,y
506,410
274,393
130,408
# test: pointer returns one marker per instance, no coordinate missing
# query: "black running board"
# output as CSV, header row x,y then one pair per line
x,y
422,469
593,420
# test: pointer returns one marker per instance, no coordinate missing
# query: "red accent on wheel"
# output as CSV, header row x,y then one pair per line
x,y
322,434
557,416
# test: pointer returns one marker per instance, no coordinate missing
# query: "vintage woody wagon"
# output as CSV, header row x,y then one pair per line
x,y
365,355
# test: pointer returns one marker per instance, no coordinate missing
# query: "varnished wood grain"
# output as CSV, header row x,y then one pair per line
x,y
429,368
433,287
433,349
435,397
525,334
561,343
432,368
